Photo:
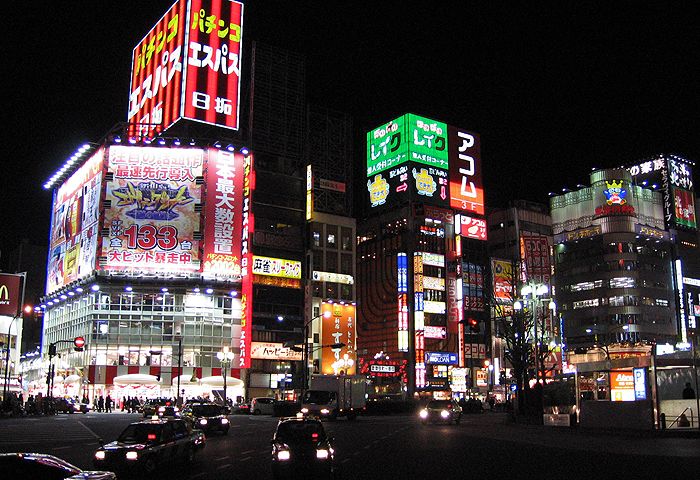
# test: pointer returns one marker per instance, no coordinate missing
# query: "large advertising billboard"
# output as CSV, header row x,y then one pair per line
x,y
152,223
338,328
188,66
223,212
503,280
11,286
424,160
74,225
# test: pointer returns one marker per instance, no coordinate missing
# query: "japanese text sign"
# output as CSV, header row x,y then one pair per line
x,y
276,267
338,327
466,188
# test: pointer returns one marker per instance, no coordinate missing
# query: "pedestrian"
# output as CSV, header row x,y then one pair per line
x,y
100,403
123,402
492,402
688,392
108,403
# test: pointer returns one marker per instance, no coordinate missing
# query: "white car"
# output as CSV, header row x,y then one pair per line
x,y
262,406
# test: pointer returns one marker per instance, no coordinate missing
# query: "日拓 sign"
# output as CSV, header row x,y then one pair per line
x,y
441,358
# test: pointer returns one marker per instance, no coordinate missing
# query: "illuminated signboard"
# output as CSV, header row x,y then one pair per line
x,y
188,66
503,278
402,289
684,208
616,201
374,368
247,230
10,294
430,306
317,276
309,192
622,386
74,225
466,188
534,252
223,209
152,219
434,283
640,384
434,259
440,358
276,267
339,327
472,227
407,158
435,332
473,287
273,351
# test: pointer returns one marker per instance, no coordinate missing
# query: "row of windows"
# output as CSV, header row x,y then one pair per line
x,y
331,239
614,266
569,254
155,355
617,301
616,282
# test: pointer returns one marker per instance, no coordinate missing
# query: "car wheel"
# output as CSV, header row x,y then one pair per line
x,y
150,465
256,411
458,419
225,432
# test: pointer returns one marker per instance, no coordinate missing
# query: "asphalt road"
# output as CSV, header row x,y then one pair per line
x,y
397,447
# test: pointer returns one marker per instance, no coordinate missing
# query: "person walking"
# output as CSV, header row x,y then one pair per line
x,y
100,403
688,392
108,403
123,402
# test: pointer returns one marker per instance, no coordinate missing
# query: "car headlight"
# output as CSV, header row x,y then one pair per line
x,y
203,421
325,411
322,454
132,455
304,410
423,414
161,409
76,408
224,421
100,455
444,413
283,455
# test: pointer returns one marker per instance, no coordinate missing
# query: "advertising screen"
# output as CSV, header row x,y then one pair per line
x,y
151,220
466,187
74,228
188,66
339,327
534,252
223,213
684,208
622,386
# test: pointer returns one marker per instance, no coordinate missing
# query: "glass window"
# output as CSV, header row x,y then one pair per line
x,y
331,262
346,238
331,236
346,264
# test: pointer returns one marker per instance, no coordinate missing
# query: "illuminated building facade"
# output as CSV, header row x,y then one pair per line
x,y
614,263
424,222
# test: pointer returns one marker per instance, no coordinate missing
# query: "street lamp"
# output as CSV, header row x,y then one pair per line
x,y
305,353
537,291
225,356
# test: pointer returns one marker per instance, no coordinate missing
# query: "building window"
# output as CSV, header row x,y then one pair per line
x,y
346,264
316,239
331,236
346,239
622,282
593,302
331,262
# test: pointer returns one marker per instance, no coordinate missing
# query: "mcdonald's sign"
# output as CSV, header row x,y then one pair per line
x,y
10,294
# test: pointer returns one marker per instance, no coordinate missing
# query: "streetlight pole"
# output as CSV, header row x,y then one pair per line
x,y
6,387
225,357
305,352
179,368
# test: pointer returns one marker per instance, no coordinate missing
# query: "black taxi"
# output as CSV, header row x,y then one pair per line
x,y
147,445
207,416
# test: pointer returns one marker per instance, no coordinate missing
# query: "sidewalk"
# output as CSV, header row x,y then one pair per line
x,y
634,442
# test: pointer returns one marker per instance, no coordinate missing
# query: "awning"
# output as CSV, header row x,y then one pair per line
x,y
218,381
186,380
57,379
72,379
136,379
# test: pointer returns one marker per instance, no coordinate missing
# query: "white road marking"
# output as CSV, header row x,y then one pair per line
x,y
89,430
225,465
222,458
345,460
245,459
247,452
61,448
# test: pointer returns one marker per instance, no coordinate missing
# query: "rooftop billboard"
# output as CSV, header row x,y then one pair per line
x,y
188,66
74,225
424,160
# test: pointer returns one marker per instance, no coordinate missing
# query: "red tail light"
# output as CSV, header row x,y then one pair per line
x,y
151,436
314,436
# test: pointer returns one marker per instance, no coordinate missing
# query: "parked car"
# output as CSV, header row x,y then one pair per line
x,y
241,408
69,405
207,416
441,411
301,449
262,406
37,465
143,447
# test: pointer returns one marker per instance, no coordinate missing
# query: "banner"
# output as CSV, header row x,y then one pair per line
x,y
339,327
152,220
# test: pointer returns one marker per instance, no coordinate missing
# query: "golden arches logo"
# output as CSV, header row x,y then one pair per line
x,y
4,294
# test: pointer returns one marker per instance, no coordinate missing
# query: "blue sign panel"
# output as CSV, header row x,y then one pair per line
x,y
640,384
441,358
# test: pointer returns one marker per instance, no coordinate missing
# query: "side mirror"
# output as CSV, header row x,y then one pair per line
x,y
101,442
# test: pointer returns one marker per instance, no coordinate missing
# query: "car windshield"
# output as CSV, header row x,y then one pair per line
x,y
439,403
300,432
140,433
317,396
206,410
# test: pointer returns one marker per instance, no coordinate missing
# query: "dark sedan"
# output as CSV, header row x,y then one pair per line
x,y
37,465
301,449
145,446
447,411
207,416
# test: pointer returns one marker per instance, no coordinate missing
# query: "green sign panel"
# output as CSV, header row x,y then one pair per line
x,y
427,141
387,146
407,138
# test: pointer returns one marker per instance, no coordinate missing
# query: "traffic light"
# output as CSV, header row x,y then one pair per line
x,y
52,350
79,344
473,325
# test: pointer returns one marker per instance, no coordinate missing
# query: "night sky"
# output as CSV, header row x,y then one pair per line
x,y
553,90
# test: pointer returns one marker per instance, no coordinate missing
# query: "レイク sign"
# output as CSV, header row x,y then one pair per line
x,y
188,66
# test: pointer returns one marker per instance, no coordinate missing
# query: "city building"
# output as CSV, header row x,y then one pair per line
x,y
421,259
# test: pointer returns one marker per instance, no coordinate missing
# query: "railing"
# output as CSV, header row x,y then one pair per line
x,y
682,421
